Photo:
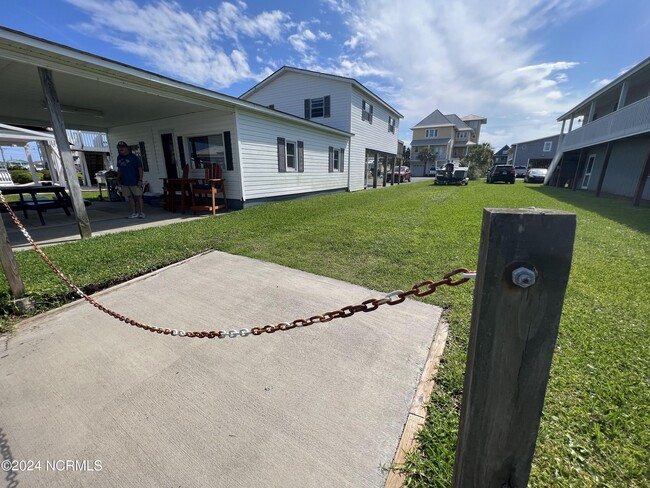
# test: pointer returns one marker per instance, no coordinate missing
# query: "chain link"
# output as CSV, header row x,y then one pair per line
x,y
393,298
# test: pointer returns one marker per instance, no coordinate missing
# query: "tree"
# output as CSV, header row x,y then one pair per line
x,y
479,158
426,155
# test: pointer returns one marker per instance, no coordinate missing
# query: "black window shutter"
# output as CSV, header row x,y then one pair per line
x,y
282,161
226,142
181,150
370,116
327,106
301,157
331,160
307,108
342,161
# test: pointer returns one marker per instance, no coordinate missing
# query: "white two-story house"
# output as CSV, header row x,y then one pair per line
x,y
338,102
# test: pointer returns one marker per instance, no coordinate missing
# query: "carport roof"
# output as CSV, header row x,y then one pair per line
x,y
97,93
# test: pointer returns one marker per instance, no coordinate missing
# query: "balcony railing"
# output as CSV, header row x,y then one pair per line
x,y
628,121
88,141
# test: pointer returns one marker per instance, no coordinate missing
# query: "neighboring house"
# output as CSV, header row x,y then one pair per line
x,y
610,152
265,154
339,102
449,136
501,156
537,153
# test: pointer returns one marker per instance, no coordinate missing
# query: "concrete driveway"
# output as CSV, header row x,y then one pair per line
x,y
99,403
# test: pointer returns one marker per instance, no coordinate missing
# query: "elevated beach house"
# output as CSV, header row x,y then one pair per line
x,y
609,151
448,136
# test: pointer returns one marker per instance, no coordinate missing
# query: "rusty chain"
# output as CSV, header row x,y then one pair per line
x,y
419,290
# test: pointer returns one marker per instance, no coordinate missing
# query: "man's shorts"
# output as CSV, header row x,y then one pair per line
x,y
131,191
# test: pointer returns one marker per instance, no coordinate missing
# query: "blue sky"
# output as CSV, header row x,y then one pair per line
x,y
520,63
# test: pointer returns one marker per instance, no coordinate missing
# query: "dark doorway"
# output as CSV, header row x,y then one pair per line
x,y
169,154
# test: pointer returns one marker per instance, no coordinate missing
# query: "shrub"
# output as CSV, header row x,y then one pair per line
x,y
20,176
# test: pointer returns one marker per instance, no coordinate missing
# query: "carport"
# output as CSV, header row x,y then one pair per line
x,y
48,85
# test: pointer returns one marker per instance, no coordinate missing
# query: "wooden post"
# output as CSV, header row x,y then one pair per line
x,y
384,164
601,176
512,338
69,170
374,176
636,200
392,180
579,167
10,268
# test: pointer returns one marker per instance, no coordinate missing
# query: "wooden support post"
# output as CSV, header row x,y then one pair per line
x,y
61,137
384,165
512,338
375,168
392,180
601,176
579,167
10,268
640,186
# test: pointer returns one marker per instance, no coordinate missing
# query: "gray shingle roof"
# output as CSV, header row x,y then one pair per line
x,y
456,120
433,119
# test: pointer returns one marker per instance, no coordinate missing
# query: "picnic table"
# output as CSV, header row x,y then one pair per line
x,y
30,199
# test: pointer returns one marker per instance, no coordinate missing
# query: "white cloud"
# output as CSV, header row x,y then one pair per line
x,y
187,45
474,56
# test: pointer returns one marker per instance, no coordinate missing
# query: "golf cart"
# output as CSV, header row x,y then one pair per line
x,y
451,175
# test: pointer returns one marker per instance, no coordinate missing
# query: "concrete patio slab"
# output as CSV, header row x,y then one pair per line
x,y
321,406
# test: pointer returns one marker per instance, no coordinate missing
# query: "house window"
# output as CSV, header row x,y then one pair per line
x,y
366,111
548,145
317,107
336,160
291,156
290,153
429,133
461,135
415,149
207,150
391,125
588,170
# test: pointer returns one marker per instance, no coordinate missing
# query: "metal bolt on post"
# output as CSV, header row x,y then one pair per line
x,y
523,277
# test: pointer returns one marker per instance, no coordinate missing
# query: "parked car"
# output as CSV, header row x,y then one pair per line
x,y
401,174
501,172
520,171
432,171
535,175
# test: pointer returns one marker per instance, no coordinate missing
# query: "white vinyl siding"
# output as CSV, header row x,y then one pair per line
x,y
208,122
258,146
288,94
373,136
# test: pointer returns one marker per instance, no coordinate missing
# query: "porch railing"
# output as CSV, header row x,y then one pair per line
x,y
628,121
88,141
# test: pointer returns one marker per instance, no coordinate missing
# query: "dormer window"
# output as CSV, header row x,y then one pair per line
x,y
429,133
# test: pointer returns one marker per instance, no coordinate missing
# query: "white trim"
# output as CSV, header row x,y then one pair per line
x,y
27,49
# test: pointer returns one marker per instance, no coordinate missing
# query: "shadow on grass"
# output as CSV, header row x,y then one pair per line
x,y
618,209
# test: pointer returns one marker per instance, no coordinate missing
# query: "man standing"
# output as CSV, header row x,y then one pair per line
x,y
129,177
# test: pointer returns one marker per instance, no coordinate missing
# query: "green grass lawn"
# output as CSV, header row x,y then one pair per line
x,y
595,429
